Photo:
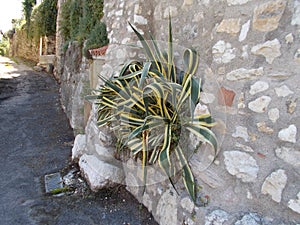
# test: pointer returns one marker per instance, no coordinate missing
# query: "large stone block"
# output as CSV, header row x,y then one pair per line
x,y
100,174
267,16
79,146
296,14
241,165
230,26
245,74
270,50
237,2
166,211
274,184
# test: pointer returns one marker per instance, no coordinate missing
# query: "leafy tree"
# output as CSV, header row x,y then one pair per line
x,y
81,21
98,37
4,44
43,19
91,16
27,10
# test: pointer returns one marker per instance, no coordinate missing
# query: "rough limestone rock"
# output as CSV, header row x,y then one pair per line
x,y
167,204
294,204
258,87
207,98
140,20
187,204
289,155
274,185
273,114
296,14
79,146
260,104
297,56
223,52
229,26
267,16
104,152
289,38
244,31
262,127
242,165
217,217
283,91
245,54
100,174
241,132
209,177
188,2
132,184
291,105
147,201
244,74
170,10
288,134
249,219
244,147
270,50
237,2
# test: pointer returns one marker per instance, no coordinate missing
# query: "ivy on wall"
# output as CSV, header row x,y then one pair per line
x,y
40,20
43,19
4,45
81,22
27,10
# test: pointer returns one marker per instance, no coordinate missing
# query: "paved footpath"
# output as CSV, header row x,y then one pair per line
x,y
35,140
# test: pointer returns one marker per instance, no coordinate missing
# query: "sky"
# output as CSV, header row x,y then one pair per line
x,y
9,9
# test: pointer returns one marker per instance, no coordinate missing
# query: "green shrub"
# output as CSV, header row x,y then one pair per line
x,y
43,19
151,103
75,15
81,21
65,21
4,46
97,38
27,10
92,12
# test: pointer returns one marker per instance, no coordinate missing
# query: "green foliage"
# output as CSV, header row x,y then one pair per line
x,y
59,190
81,21
43,19
66,21
97,38
4,46
18,23
151,103
75,15
92,12
27,10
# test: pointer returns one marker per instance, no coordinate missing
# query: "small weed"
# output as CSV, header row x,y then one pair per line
x,y
60,190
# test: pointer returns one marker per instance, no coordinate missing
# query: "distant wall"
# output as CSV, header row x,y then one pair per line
x,y
22,46
74,86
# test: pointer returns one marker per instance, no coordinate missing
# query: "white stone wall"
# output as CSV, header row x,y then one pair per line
x,y
250,60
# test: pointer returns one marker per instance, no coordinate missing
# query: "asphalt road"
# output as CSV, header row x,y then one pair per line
x,y
35,140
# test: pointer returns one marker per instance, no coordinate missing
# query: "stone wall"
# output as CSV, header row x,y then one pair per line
x,y
250,61
24,47
59,63
74,85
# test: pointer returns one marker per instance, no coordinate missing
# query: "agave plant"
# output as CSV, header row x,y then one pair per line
x,y
150,103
